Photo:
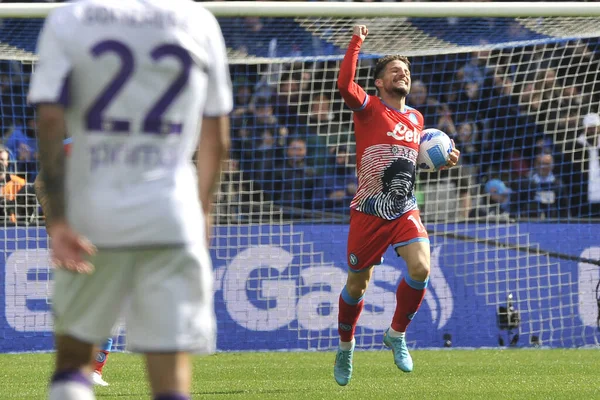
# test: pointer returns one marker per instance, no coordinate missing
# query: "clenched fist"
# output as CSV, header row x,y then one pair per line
x,y
361,31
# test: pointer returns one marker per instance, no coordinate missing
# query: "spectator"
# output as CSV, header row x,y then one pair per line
x,y
288,100
259,38
513,133
584,169
336,189
467,141
258,129
468,104
18,198
547,84
445,121
530,60
22,146
239,200
263,117
476,69
580,66
243,96
268,155
545,196
497,201
294,181
324,131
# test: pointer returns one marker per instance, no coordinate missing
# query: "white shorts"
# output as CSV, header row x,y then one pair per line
x,y
165,294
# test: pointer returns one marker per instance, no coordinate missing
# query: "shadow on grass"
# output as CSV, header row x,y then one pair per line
x,y
200,393
230,392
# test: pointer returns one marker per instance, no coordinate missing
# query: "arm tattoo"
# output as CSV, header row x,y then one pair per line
x,y
42,197
52,175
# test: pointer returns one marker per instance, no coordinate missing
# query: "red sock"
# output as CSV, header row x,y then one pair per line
x,y
349,312
409,296
101,358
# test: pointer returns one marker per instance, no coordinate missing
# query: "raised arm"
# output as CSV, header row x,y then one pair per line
x,y
354,96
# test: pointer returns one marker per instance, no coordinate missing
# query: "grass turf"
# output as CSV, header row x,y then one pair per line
x,y
447,374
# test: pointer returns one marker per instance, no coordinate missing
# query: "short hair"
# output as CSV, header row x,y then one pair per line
x,y
384,61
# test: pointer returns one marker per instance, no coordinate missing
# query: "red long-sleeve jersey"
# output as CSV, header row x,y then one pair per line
x,y
387,145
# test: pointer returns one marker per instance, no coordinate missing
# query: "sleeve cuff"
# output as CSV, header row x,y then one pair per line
x,y
364,104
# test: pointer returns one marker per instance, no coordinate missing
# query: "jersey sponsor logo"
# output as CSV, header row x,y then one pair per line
x,y
303,290
353,259
106,154
405,152
403,133
279,300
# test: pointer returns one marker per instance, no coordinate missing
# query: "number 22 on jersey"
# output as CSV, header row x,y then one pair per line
x,y
153,121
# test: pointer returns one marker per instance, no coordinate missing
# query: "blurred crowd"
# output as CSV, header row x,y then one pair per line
x,y
526,120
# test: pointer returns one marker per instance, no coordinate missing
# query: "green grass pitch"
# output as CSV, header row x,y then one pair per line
x,y
445,374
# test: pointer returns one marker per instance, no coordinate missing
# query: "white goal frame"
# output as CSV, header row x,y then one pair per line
x,y
343,9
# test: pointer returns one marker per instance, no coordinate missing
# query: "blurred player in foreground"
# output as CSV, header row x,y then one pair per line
x,y
384,210
105,348
139,85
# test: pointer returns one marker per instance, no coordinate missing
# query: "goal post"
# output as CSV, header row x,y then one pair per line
x,y
292,9
515,254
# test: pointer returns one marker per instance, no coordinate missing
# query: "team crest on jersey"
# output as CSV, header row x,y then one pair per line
x,y
413,118
345,327
353,259
100,357
403,133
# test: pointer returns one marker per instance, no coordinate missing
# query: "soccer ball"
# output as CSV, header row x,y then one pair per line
x,y
434,150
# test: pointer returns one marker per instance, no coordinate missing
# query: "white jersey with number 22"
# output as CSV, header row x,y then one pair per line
x,y
135,78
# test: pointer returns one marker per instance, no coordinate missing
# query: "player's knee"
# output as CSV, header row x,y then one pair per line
x,y
419,269
357,287
356,291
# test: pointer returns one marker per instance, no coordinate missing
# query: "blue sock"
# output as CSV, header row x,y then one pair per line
x,y
107,346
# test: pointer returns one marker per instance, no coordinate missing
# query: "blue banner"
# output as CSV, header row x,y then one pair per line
x,y
277,287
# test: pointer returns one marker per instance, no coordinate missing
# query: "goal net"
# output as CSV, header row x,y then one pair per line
x,y
514,228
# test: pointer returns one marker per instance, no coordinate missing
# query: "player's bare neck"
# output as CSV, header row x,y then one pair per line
x,y
397,102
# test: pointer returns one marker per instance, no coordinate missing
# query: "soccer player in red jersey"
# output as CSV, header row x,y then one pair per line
x,y
384,210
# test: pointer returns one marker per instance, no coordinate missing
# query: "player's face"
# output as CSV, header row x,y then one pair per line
x,y
396,79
